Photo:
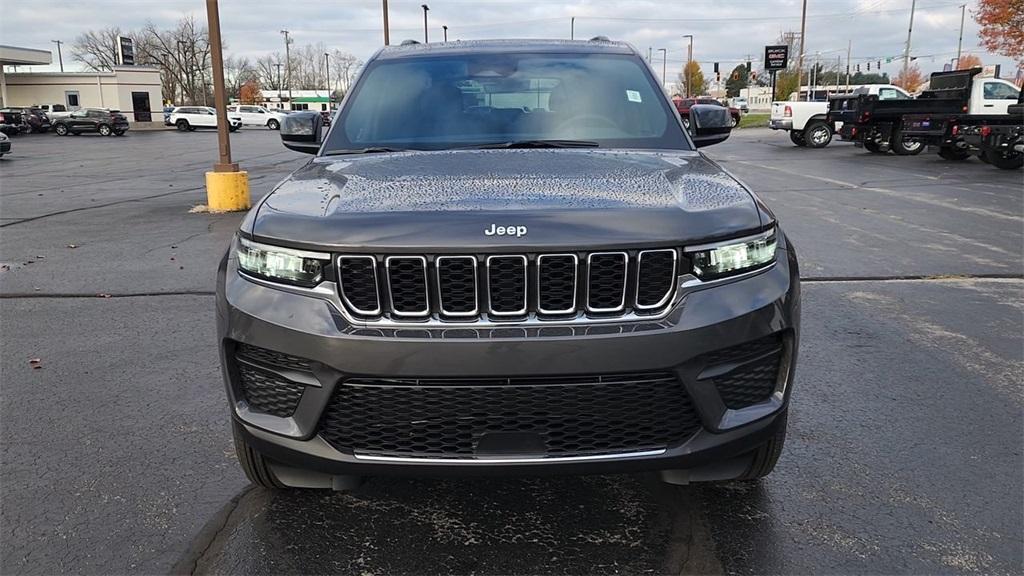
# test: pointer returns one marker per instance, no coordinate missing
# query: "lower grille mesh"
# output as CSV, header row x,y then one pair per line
x,y
269,393
264,387
559,417
754,375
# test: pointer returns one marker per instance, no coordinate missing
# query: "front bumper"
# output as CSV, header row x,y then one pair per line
x,y
780,124
706,320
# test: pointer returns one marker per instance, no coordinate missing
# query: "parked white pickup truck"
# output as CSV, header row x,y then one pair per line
x,y
806,122
54,111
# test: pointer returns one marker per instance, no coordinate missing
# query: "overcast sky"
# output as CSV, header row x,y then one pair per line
x,y
724,30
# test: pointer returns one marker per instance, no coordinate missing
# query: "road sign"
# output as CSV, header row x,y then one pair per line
x,y
125,51
776,57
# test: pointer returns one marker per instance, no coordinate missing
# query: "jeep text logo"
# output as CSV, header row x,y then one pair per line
x,y
517,231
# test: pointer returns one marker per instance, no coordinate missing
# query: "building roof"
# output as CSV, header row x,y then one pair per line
x,y
491,46
18,56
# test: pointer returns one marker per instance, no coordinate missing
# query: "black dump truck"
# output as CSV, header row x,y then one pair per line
x,y
997,139
882,125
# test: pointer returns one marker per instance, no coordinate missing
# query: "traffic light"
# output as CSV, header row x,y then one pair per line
x,y
858,68
748,66
869,66
716,67
879,64
718,76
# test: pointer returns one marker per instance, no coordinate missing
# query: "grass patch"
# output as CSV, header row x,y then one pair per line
x,y
754,120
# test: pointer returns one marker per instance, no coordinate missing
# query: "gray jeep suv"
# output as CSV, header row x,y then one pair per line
x,y
507,257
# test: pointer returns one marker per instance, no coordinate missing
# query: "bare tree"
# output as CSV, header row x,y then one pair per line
x,y
183,54
268,73
97,49
237,71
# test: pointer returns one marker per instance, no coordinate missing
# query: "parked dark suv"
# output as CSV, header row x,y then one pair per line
x,y
105,122
507,257
34,120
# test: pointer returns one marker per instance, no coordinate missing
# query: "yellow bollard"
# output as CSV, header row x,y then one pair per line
x,y
227,191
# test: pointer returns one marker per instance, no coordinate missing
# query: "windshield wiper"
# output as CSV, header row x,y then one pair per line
x,y
540,144
370,150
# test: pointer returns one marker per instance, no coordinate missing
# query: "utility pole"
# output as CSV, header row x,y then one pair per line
x,y
849,48
61,58
227,188
445,28
910,30
572,28
959,46
288,65
387,35
664,63
425,10
800,57
650,54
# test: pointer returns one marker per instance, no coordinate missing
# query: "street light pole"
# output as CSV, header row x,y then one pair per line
x,y
572,28
327,74
689,60
445,28
279,85
288,65
425,10
959,46
387,32
664,62
800,58
61,58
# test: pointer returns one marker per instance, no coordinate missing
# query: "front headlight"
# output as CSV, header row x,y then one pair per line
x,y
281,264
733,257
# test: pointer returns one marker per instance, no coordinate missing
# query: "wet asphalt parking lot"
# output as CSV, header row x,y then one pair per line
x,y
904,451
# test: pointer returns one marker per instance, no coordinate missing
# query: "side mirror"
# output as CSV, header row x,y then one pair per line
x,y
709,124
302,131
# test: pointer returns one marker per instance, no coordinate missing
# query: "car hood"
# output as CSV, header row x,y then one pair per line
x,y
445,201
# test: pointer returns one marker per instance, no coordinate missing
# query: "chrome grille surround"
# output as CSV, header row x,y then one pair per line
x,y
493,285
475,311
672,276
591,280
497,289
340,266
575,283
417,313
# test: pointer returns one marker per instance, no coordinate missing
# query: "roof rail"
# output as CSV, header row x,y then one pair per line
x,y
409,42
600,39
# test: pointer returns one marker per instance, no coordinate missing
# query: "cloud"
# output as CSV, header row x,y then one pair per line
x,y
724,31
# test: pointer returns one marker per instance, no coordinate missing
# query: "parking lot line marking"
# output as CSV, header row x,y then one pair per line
x,y
905,195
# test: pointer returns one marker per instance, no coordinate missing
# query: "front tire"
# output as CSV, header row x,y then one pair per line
x,y
60,130
818,135
273,124
104,130
904,146
873,147
1011,161
797,138
255,465
118,132
954,154
767,455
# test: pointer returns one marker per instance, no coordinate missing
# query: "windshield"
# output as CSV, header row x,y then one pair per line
x,y
458,101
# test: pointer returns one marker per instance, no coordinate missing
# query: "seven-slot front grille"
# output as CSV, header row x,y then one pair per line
x,y
509,287
540,416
